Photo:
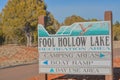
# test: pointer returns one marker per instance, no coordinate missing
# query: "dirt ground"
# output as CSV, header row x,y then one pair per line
x,y
12,55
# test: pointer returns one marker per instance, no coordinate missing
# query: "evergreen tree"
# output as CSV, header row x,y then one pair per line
x,y
52,24
15,15
117,24
70,20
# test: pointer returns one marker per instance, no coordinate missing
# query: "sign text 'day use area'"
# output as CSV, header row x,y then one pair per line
x,y
82,48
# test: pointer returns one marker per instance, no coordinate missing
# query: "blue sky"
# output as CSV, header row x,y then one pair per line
x,y
85,8
2,4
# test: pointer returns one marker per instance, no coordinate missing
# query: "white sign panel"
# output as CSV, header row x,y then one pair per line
x,y
82,48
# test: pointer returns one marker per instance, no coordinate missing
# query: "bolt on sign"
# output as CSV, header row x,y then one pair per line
x,y
81,48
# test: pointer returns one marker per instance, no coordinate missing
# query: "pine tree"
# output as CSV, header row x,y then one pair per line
x,y
15,15
71,19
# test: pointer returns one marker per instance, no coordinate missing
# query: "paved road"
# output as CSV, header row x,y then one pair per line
x,y
19,72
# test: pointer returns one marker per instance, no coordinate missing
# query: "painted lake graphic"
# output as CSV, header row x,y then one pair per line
x,y
79,29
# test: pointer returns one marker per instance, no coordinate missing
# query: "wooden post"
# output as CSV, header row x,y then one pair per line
x,y
108,17
42,20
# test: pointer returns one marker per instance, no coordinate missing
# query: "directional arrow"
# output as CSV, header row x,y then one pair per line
x,y
51,70
46,62
102,55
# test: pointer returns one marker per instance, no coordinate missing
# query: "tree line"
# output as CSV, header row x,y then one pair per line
x,y
17,13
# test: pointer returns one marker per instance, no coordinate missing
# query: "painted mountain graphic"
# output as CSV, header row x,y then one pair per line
x,y
80,29
42,31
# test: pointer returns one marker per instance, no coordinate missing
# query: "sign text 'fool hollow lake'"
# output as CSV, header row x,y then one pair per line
x,y
81,48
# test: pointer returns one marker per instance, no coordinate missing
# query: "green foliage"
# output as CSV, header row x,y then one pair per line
x,y
117,24
1,36
14,16
1,32
52,24
93,19
51,30
17,12
72,19
116,31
